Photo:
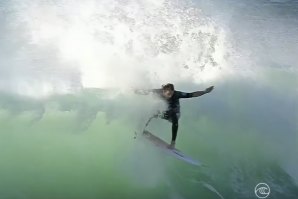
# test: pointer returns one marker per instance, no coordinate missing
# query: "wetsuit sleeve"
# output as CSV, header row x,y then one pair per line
x,y
181,94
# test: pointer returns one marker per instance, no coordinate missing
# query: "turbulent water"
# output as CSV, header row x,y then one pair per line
x,y
68,115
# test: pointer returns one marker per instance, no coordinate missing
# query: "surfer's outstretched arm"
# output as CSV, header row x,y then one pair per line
x,y
196,93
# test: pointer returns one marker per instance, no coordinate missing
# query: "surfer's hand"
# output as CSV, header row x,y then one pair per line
x,y
141,91
208,90
136,91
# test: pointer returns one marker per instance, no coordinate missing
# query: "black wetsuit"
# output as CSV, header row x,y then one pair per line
x,y
172,113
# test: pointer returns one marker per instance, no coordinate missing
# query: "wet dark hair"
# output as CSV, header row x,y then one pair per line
x,y
168,86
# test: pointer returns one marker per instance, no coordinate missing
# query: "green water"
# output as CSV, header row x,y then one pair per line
x,y
81,146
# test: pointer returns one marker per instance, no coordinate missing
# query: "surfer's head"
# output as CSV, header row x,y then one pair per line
x,y
168,90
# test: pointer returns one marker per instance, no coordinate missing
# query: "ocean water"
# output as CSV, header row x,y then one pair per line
x,y
68,113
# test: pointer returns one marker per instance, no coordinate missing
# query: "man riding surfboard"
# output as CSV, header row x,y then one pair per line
x,y
171,97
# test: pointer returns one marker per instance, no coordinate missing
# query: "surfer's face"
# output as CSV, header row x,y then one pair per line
x,y
167,93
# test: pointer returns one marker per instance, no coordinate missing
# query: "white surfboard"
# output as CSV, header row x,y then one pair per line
x,y
174,152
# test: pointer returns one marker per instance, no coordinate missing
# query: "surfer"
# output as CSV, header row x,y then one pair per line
x,y
171,97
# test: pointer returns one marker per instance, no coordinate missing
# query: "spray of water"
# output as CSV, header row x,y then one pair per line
x,y
69,44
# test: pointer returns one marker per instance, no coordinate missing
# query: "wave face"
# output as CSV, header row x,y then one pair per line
x,y
68,115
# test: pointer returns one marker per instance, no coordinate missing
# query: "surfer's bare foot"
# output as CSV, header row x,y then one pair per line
x,y
172,145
